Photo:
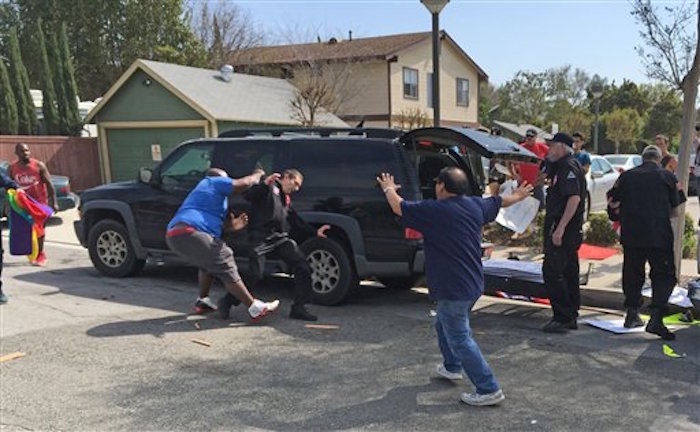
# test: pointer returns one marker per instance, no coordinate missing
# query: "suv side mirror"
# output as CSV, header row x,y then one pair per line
x,y
596,174
145,175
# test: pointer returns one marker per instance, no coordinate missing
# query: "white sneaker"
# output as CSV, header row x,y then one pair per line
x,y
259,309
447,374
475,399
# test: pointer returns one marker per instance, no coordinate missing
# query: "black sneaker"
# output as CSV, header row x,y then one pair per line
x,y
572,325
300,313
557,327
225,304
656,326
633,320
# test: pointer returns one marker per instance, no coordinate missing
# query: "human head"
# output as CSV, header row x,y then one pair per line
x,y
291,181
560,146
496,131
661,142
531,136
651,154
22,152
451,181
216,172
579,141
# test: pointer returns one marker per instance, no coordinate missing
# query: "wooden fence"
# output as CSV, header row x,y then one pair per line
x,y
74,157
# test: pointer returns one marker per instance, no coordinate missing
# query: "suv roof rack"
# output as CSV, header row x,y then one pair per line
x,y
320,131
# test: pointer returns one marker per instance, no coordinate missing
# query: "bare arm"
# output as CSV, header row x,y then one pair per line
x,y
519,194
46,179
244,183
386,182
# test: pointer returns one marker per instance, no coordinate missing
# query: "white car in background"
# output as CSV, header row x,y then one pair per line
x,y
600,179
624,162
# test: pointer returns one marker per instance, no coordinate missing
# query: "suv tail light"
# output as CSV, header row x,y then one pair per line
x,y
411,234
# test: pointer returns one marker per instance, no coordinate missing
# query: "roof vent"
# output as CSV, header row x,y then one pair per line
x,y
332,41
226,72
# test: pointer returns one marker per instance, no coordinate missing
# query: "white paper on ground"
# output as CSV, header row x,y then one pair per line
x,y
679,297
520,215
612,325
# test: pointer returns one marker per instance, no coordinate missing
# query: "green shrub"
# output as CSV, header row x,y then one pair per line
x,y
690,241
537,237
600,232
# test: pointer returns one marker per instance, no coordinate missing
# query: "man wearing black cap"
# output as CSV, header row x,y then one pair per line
x,y
644,199
562,233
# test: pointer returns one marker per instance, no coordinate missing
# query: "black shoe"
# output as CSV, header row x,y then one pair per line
x,y
557,327
224,305
656,326
633,320
572,325
300,313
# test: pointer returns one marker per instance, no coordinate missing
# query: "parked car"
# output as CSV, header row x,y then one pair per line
x,y
624,162
123,224
599,180
66,199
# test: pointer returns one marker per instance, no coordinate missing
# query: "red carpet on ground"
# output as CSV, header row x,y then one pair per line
x,y
589,252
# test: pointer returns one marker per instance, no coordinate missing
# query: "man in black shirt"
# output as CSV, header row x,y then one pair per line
x,y
273,226
562,233
644,199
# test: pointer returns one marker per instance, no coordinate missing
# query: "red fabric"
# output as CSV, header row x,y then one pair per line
x,y
529,172
35,211
28,177
597,253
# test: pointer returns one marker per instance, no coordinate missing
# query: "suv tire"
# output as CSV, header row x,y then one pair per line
x,y
401,283
333,276
111,251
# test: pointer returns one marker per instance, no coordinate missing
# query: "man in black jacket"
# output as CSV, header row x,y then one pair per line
x,y
272,228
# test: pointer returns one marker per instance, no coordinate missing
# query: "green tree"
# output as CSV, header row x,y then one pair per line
x,y
50,108
664,115
9,18
20,86
59,81
8,105
622,126
72,119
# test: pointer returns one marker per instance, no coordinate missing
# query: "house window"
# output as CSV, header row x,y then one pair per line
x,y
429,86
462,92
410,83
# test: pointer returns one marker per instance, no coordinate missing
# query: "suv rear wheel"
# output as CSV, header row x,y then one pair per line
x,y
333,277
111,251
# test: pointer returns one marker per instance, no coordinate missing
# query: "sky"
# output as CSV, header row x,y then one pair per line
x,y
502,36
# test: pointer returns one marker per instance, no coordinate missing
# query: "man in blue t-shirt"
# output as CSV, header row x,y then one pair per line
x,y
581,155
451,227
194,233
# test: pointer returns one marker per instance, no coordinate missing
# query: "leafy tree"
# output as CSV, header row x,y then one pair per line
x,y
59,81
19,80
664,116
627,95
8,106
72,120
488,103
622,127
50,108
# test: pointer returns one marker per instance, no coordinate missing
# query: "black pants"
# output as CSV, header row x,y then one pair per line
x,y
662,275
2,253
561,276
289,252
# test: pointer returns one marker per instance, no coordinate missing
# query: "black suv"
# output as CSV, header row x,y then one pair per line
x,y
123,224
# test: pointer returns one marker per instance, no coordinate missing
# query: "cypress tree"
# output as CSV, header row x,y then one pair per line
x,y
58,81
8,106
50,109
20,86
73,120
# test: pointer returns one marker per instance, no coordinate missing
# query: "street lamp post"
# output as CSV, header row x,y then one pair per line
x,y
596,91
435,6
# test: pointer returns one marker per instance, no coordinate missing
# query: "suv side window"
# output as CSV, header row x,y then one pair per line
x,y
186,167
240,158
346,164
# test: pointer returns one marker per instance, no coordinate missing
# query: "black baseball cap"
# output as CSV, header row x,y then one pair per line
x,y
563,138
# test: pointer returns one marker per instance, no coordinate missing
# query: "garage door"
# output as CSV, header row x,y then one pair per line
x,y
130,149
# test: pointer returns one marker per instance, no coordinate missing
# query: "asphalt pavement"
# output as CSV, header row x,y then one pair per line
x,y
117,354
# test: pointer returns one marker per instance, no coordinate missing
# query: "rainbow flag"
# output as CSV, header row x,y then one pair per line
x,y
27,219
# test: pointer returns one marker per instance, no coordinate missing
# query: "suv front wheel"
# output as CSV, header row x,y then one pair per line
x,y
333,277
110,250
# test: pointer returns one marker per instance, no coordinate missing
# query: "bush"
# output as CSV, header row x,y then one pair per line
x,y
690,241
537,237
600,232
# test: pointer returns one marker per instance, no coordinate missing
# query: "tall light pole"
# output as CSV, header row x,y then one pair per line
x,y
435,6
596,91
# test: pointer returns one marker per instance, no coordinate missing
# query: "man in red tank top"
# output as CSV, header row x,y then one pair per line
x,y
32,176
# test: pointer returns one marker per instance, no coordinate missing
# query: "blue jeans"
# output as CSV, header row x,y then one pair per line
x,y
459,350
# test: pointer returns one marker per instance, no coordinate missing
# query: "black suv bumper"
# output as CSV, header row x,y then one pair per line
x,y
79,227
419,262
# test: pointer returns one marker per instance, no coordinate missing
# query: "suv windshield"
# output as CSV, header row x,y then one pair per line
x,y
186,167
617,160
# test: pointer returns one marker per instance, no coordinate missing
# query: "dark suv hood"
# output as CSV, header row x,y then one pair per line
x,y
486,145
112,190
